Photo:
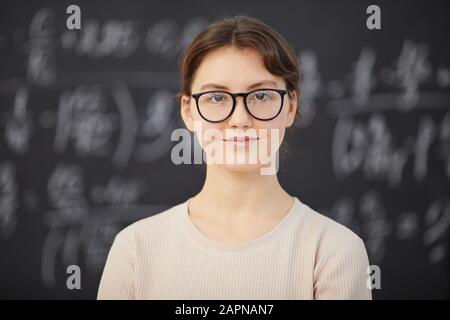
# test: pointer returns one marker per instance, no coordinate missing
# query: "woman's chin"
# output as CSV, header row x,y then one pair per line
x,y
241,167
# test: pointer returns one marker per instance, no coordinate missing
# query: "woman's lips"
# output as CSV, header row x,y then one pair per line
x,y
240,141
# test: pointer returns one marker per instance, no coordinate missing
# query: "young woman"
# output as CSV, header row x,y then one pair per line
x,y
242,236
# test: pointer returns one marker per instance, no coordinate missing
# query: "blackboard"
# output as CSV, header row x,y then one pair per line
x,y
86,119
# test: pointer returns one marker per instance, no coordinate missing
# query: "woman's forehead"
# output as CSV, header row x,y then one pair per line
x,y
228,68
244,83
269,83
228,60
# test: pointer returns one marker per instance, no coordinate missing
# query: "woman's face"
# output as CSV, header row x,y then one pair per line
x,y
236,70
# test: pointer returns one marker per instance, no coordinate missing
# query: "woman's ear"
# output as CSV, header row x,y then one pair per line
x,y
292,110
186,112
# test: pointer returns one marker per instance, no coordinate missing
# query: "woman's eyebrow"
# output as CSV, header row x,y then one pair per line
x,y
218,86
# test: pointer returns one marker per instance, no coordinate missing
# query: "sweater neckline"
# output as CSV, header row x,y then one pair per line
x,y
288,220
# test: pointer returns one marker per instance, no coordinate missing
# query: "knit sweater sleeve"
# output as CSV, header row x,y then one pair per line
x,y
343,272
117,281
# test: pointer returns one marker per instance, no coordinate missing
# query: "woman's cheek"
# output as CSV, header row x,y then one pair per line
x,y
208,132
275,134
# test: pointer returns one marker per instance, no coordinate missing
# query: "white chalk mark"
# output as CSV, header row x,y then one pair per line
x,y
128,122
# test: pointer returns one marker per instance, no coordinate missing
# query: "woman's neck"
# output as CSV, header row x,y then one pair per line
x,y
240,196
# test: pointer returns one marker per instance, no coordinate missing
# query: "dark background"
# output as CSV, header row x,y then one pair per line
x,y
372,150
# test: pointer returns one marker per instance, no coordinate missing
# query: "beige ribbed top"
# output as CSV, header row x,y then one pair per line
x,y
305,256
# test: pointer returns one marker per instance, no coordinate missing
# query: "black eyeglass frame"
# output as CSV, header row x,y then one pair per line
x,y
244,95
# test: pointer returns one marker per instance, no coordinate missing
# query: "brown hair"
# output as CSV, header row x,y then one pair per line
x,y
242,32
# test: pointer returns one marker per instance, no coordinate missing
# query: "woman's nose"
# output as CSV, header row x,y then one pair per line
x,y
240,116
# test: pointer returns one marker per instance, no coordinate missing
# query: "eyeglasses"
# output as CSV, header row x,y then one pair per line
x,y
261,104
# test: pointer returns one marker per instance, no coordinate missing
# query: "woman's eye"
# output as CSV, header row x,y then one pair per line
x,y
216,98
260,96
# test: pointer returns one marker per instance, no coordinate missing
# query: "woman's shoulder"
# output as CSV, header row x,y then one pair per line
x,y
339,256
327,232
